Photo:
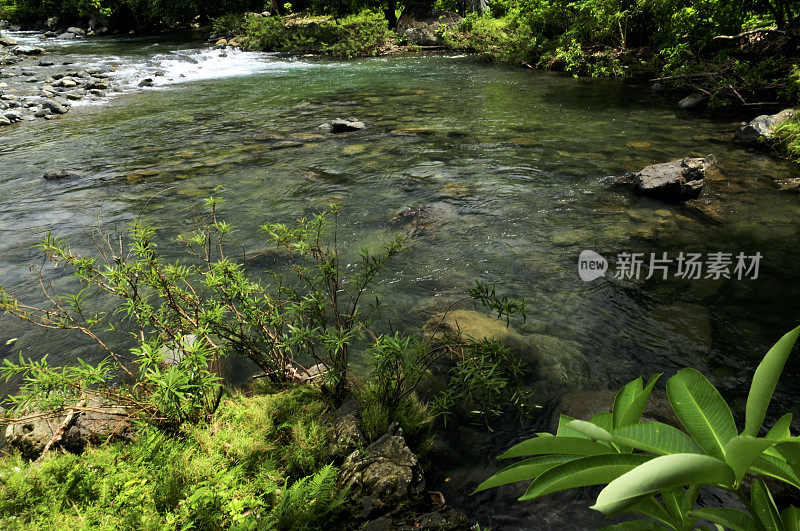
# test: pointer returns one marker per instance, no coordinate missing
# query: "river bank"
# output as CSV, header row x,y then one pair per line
x,y
498,173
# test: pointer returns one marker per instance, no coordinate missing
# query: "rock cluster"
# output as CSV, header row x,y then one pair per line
x,y
33,87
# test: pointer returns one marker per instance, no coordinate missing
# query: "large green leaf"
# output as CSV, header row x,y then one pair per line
x,y
702,411
650,506
790,452
564,430
690,497
732,519
662,473
780,430
590,430
767,465
592,470
672,502
556,445
655,437
604,419
634,525
791,518
624,398
524,470
633,413
764,381
764,506
742,451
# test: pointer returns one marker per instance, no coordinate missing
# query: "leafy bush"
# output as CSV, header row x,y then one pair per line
x,y
644,461
788,138
361,35
364,34
186,316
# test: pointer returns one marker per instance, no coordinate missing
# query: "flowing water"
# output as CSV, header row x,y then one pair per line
x,y
514,169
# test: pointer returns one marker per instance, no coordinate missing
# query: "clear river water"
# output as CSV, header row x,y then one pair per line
x,y
514,170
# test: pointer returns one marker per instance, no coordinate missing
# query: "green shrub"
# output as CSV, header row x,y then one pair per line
x,y
656,470
361,35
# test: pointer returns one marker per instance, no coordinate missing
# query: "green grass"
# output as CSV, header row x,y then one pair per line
x,y
262,462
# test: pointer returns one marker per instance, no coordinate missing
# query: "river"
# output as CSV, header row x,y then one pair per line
x,y
515,167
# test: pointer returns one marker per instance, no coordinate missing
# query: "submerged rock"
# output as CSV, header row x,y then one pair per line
x,y
55,175
677,180
560,361
790,185
582,405
694,102
346,126
761,129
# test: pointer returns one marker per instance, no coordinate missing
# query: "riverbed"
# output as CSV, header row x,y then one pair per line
x,y
512,170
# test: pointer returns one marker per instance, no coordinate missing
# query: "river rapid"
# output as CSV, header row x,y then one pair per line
x,y
510,172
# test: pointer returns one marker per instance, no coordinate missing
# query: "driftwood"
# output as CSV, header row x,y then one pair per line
x,y
62,429
750,32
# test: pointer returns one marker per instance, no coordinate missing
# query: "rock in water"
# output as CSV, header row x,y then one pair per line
x,y
55,175
13,116
76,31
54,107
346,126
762,129
678,180
29,50
694,102
7,41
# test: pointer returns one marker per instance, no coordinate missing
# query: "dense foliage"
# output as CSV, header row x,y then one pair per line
x,y
262,462
656,470
357,35
129,14
695,44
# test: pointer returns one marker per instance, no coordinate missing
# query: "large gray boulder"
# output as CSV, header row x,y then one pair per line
x,y
420,30
677,180
384,478
105,422
761,129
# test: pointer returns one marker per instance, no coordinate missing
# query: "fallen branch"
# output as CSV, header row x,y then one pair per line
x,y
684,76
750,32
62,429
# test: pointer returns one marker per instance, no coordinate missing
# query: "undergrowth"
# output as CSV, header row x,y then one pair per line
x,y
262,462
